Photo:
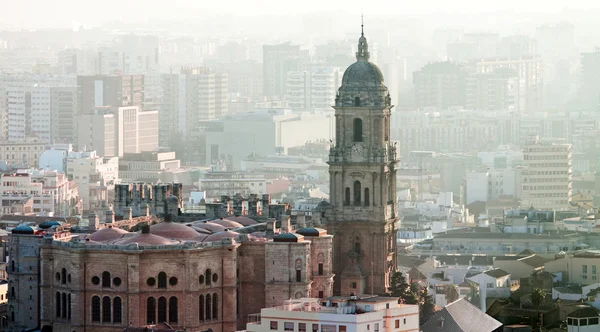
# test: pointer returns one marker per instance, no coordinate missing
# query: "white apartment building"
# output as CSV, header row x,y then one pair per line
x,y
339,314
485,184
114,131
95,177
547,174
217,184
24,153
52,193
146,166
312,89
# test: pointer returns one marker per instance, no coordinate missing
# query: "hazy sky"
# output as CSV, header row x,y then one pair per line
x,y
68,13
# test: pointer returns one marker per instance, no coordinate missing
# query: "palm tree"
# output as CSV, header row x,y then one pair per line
x,y
537,299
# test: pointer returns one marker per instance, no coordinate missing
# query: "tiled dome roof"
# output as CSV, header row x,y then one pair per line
x,y
211,226
23,229
173,230
287,237
221,235
227,223
48,224
107,234
147,240
246,221
311,231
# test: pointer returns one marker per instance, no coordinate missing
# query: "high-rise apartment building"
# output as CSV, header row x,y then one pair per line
x,y
113,131
194,95
312,89
547,174
113,90
440,85
495,91
278,60
590,71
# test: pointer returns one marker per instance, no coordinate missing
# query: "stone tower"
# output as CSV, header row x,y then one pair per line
x,y
362,166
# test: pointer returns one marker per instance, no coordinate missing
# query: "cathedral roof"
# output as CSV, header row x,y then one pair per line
x,y
221,235
147,239
227,223
173,231
107,234
211,226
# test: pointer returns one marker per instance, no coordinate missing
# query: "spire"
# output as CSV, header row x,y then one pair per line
x,y
363,47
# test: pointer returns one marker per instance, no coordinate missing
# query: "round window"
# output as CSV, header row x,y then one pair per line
x,y
172,281
95,280
57,276
151,281
201,279
117,281
215,277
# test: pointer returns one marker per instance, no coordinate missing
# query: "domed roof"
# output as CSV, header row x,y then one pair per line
x,y
221,235
227,223
246,221
585,312
107,234
23,229
201,230
211,226
173,230
147,240
48,224
311,231
173,199
288,237
362,83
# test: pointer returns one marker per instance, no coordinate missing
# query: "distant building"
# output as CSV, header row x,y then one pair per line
x,y
312,89
146,166
547,174
585,319
115,131
340,313
217,184
278,60
109,90
95,177
495,91
440,85
25,153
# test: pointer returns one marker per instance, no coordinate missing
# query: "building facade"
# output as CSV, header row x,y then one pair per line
x,y
95,177
24,153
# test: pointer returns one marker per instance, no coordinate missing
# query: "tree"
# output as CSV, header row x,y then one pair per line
x,y
474,297
427,307
537,299
399,287
414,294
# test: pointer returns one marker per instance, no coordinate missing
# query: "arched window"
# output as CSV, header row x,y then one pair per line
x,y
106,314
207,307
358,131
69,306
64,305
357,193
63,276
162,310
201,308
347,198
58,307
367,198
151,311
357,101
117,309
207,277
96,309
106,279
357,247
173,310
162,280
215,313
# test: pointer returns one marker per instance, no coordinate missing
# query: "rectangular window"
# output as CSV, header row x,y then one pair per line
x,y
288,326
593,321
397,323
315,327
274,325
298,275
321,269
302,327
584,269
376,327
321,294
594,271
328,328
353,285
342,328
490,285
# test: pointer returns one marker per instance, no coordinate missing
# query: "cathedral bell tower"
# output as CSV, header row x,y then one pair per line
x,y
362,167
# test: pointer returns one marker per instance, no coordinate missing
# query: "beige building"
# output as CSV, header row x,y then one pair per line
x,y
146,166
579,268
114,131
95,177
547,175
217,184
24,153
52,193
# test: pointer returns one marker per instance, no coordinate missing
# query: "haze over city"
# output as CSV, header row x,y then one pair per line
x,y
324,166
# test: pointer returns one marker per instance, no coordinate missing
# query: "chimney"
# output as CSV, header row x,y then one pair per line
x,y
285,224
300,220
270,227
93,221
110,217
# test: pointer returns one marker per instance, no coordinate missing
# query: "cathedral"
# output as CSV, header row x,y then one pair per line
x,y
362,215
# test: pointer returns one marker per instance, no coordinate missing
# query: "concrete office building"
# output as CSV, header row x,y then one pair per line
x,y
312,89
440,85
278,60
547,174
146,166
113,131
109,90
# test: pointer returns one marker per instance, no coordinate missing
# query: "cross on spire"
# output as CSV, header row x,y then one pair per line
x,y
362,25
